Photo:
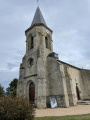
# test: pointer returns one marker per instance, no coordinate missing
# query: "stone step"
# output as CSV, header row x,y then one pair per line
x,y
83,102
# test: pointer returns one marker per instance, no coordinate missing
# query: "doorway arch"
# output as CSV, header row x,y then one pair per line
x,y
32,92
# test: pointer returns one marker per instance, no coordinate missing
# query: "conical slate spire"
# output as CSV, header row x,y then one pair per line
x,y
38,18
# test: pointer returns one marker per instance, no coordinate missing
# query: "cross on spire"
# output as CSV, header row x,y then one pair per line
x,y
37,2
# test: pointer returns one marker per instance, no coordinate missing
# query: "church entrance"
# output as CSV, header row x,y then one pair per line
x,y
32,92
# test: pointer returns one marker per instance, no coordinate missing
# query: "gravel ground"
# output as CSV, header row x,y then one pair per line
x,y
75,110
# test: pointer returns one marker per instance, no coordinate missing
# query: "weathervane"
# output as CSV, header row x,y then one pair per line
x,y
37,2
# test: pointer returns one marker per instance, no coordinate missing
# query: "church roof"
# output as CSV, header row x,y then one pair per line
x,y
38,18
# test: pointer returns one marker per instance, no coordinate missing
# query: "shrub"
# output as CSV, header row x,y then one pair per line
x,y
17,108
1,91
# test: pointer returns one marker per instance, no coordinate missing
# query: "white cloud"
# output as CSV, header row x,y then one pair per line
x,y
69,19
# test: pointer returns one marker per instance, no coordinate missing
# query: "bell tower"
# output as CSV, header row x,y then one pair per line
x,y
38,35
33,69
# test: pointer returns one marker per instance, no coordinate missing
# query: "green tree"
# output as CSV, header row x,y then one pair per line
x,y
11,90
1,91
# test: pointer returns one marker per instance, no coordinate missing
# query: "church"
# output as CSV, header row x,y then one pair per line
x,y
43,76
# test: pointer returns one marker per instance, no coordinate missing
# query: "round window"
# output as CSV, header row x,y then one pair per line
x,y
30,62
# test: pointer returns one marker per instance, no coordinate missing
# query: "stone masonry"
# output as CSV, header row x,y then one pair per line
x,y
49,76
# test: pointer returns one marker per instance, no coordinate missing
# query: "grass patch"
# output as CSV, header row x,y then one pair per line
x,y
74,117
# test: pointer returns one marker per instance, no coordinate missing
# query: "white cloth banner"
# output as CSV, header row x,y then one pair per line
x,y
53,102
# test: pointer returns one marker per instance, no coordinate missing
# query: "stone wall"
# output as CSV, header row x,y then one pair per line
x,y
86,83
57,82
52,78
75,77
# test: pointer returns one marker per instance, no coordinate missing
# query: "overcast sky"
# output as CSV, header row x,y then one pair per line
x,y
69,20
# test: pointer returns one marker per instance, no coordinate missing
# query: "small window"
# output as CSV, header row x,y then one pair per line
x,y
31,85
30,62
32,43
46,40
29,44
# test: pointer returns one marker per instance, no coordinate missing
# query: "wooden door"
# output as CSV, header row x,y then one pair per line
x,y
32,93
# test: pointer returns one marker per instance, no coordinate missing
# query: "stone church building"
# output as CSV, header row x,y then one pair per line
x,y
43,76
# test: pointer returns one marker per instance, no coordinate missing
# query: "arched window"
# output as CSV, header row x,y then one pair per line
x,y
30,42
46,41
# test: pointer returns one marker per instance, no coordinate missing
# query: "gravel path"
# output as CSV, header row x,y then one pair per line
x,y
75,110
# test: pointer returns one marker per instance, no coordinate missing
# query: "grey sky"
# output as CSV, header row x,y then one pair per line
x,y
69,20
